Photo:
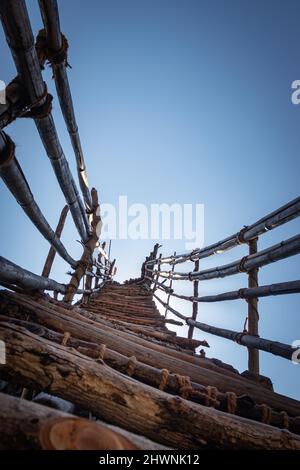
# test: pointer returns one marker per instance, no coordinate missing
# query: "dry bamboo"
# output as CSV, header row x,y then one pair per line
x,y
51,255
13,177
138,408
253,317
50,16
245,339
284,214
14,19
195,304
274,253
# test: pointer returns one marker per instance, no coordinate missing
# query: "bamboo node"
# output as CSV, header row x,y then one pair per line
x,y
240,237
164,379
241,266
231,402
131,365
40,111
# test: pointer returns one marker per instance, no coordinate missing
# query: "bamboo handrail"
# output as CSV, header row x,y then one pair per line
x,y
12,175
280,288
274,253
280,216
14,18
50,16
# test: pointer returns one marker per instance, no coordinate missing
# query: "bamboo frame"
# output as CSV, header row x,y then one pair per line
x,y
280,216
51,255
14,18
12,175
50,16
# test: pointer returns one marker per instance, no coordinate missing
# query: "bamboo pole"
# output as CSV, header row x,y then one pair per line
x,y
13,177
280,288
274,253
253,317
89,248
245,339
11,273
54,40
14,18
195,304
51,255
130,404
170,287
280,216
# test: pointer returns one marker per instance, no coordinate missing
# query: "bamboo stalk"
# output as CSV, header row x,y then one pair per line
x,y
280,288
89,248
11,273
170,287
19,36
50,16
280,216
195,304
13,177
274,253
245,339
253,317
51,255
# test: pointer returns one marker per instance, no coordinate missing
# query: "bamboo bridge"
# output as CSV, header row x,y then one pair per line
x,y
97,367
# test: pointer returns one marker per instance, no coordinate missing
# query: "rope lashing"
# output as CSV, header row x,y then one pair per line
x,y
211,396
46,55
102,351
240,237
241,266
231,402
285,420
164,379
40,111
131,365
266,413
184,384
66,338
239,337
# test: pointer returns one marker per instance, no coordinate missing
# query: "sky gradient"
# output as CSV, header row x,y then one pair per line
x,y
177,101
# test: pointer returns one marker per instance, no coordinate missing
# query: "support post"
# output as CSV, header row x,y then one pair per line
x,y
195,303
253,316
170,287
52,252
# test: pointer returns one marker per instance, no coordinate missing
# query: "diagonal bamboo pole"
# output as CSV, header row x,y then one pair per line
x,y
58,59
89,248
51,255
13,177
19,36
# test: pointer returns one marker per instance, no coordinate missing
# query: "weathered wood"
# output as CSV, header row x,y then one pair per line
x,y
280,216
139,408
195,304
253,317
64,320
13,176
274,253
89,248
17,28
54,42
23,425
51,255
245,339
173,383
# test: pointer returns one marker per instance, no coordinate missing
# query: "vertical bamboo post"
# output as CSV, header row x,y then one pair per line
x,y
253,316
157,275
52,252
195,303
87,285
170,287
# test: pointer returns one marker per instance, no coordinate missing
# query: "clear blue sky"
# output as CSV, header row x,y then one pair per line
x,y
178,101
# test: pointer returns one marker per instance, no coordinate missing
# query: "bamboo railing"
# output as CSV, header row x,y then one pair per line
x,y
27,96
249,265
